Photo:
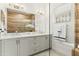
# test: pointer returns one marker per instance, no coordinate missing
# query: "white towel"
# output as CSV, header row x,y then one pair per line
x,y
62,28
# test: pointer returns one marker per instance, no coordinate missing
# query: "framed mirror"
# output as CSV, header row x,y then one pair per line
x,y
18,21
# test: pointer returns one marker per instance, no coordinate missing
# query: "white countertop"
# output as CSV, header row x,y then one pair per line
x,y
18,35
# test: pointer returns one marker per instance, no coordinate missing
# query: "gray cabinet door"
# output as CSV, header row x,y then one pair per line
x,y
46,42
41,43
26,46
10,47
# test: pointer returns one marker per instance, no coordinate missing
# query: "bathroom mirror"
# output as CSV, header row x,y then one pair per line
x,y
18,21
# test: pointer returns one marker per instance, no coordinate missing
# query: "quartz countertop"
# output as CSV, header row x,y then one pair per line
x,y
16,35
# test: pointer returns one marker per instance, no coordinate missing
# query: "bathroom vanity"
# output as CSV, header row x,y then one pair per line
x,y
23,45
15,21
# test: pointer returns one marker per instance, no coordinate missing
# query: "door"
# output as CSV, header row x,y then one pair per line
x,y
43,42
26,46
46,42
10,48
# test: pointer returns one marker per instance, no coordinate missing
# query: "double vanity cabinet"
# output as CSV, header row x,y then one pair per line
x,y
23,46
18,21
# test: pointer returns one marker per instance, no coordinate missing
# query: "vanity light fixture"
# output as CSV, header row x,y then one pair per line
x,y
16,6
40,12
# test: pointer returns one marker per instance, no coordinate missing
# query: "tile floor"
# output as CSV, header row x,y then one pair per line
x,y
46,53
